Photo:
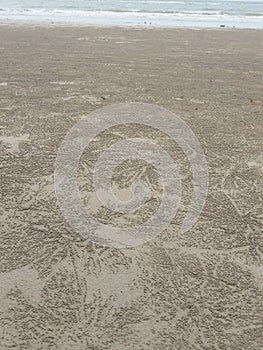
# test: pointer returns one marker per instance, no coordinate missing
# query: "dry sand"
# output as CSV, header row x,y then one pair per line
x,y
201,290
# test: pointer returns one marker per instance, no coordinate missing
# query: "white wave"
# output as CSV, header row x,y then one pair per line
x,y
84,13
133,17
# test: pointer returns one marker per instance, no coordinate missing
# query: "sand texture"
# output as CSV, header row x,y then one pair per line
x,y
193,291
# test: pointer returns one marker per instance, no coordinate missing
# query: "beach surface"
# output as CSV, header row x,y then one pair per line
x,y
198,290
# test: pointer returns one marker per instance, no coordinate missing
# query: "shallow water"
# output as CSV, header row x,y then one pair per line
x,y
138,12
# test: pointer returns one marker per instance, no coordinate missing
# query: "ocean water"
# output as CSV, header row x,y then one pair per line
x,y
167,13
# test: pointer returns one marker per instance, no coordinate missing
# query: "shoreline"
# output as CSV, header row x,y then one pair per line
x,y
140,19
65,24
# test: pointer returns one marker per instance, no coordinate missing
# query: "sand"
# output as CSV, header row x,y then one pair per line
x,y
199,290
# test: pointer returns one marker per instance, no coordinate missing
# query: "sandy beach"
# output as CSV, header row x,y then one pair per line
x,y
200,290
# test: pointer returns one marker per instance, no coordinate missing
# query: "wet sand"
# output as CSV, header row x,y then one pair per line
x,y
200,290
